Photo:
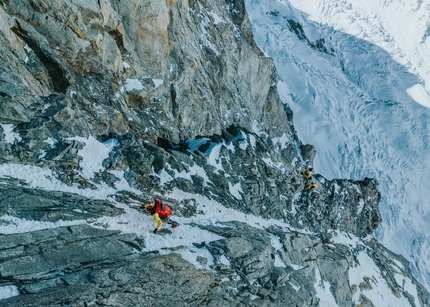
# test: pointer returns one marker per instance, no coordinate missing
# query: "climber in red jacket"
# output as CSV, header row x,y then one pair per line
x,y
160,212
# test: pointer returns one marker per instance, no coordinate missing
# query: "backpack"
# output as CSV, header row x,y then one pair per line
x,y
164,211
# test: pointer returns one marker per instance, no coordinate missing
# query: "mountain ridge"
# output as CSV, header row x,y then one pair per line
x,y
102,113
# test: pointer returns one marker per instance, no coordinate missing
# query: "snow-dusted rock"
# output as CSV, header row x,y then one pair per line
x,y
107,105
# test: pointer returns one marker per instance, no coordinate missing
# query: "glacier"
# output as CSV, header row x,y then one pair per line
x,y
356,75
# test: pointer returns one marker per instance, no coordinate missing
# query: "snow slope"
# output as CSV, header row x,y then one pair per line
x,y
362,99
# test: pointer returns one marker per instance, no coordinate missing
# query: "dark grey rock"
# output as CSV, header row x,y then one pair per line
x,y
202,260
308,153
251,256
47,253
166,281
42,205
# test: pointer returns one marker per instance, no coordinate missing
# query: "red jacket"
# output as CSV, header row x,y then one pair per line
x,y
163,210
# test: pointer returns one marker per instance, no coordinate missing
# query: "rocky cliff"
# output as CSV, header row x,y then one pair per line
x,y
109,104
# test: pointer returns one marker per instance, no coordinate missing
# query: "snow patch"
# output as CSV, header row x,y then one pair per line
x,y
322,288
252,141
214,157
10,136
44,178
243,144
276,242
278,165
277,246
164,177
223,260
278,261
133,85
345,239
360,206
158,82
217,18
12,224
27,48
205,38
419,94
377,290
236,190
256,128
8,291
281,142
297,288
93,154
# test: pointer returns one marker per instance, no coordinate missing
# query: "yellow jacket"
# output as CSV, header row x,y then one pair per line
x,y
307,173
311,186
156,217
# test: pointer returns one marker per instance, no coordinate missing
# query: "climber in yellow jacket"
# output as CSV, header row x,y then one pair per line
x,y
160,212
311,185
307,173
156,216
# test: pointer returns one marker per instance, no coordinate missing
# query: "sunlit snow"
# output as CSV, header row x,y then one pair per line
x,y
8,291
93,153
9,135
277,246
133,84
158,82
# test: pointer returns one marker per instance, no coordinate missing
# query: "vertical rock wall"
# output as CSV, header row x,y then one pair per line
x,y
176,68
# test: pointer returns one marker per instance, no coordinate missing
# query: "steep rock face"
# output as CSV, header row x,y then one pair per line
x,y
167,62
138,69
266,183
110,104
